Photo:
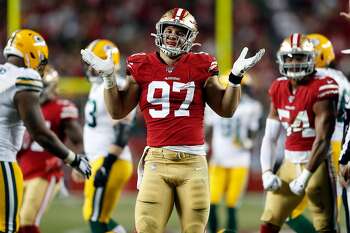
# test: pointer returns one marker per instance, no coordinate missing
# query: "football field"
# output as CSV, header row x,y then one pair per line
x,y
64,215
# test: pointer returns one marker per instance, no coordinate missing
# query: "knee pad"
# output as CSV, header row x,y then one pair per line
x,y
195,228
147,225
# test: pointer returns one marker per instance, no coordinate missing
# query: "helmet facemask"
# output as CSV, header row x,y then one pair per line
x,y
296,70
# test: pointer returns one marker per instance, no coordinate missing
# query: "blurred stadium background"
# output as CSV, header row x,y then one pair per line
x,y
69,25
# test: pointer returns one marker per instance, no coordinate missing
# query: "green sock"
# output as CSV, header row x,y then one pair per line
x,y
231,219
213,222
111,224
98,227
301,224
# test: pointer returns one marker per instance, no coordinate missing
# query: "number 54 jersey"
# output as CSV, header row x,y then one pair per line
x,y
171,97
295,111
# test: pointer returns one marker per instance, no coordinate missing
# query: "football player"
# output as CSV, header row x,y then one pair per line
x,y
171,87
232,141
26,56
304,103
324,61
105,143
42,178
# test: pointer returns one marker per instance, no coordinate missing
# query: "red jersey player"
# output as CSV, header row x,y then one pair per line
x,y
172,86
42,171
305,105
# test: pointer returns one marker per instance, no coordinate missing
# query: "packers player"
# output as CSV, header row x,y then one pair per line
x,y
232,141
26,56
323,62
42,178
171,86
105,143
304,103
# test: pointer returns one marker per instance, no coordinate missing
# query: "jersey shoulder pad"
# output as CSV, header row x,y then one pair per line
x,y
28,80
204,60
134,61
326,87
276,84
68,109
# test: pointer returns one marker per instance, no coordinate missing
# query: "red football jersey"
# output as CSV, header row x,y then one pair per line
x,y
33,159
295,111
171,97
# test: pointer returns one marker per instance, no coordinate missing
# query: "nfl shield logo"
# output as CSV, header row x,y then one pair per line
x,y
291,98
169,69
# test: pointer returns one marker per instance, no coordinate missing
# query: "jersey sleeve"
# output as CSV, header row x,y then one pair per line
x,y
328,89
133,63
273,92
29,80
68,110
213,66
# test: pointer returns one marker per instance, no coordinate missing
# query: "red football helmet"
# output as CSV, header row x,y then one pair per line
x,y
296,57
177,17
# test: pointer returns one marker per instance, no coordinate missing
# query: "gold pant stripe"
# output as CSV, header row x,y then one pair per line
x,y
10,219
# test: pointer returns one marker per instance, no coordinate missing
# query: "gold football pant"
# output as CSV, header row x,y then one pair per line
x,y
336,149
100,202
320,192
38,193
11,191
173,177
229,181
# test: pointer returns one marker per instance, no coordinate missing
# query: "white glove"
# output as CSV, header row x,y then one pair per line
x,y
271,182
104,67
243,64
80,163
298,185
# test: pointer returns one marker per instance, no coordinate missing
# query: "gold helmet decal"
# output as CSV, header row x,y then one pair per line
x,y
29,45
323,49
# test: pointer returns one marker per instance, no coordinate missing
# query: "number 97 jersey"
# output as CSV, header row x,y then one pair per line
x,y
171,97
295,111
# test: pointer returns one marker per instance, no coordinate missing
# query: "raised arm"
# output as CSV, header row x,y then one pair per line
x,y
224,101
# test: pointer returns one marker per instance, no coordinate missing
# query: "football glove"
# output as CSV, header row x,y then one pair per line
x,y
80,163
104,67
243,64
298,185
102,173
271,182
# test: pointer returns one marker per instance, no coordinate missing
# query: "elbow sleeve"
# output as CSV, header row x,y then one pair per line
x,y
268,145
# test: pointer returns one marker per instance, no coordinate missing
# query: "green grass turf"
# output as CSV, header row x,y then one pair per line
x,y
64,215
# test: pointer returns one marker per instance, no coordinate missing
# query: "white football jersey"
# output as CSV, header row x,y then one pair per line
x,y
231,143
344,92
98,128
13,79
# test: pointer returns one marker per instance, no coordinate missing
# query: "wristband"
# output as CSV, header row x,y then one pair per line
x,y
305,176
70,157
234,79
109,81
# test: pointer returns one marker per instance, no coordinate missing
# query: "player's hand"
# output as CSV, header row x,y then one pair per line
x,y
271,182
81,165
298,185
102,174
104,67
344,171
243,64
346,14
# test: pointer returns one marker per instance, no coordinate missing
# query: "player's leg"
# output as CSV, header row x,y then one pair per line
x,y
100,202
37,196
238,179
217,178
193,198
11,191
346,203
279,204
322,198
155,199
298,222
